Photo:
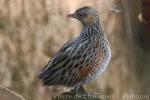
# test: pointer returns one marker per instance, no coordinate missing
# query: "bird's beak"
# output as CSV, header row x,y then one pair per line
x,y
72,16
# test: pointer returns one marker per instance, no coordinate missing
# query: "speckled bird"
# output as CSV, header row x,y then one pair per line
x,y
81,59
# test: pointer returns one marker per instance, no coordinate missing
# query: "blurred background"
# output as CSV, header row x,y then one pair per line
x,y
31,31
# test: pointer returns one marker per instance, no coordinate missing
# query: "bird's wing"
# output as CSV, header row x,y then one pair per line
x,y
64,66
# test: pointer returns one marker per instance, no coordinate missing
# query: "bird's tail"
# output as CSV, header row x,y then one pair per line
x,y
42,73
49,76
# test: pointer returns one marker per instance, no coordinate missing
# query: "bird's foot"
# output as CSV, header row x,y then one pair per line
x,y
76,91
81,94
80,91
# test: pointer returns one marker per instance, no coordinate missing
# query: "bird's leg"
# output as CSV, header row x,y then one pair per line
x,y
79,89
82,93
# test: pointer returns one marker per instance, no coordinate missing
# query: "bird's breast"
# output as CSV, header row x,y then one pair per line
x,y
100,61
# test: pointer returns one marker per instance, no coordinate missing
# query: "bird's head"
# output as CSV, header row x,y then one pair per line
x,y
87,15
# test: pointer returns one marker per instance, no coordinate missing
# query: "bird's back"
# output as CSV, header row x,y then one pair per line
x,y
64,63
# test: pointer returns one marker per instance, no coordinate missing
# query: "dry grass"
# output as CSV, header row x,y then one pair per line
x,y
31,31
6,94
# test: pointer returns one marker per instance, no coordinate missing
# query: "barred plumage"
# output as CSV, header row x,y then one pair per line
x,y
82,59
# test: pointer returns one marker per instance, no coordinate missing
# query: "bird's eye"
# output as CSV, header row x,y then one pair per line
x,y
80,15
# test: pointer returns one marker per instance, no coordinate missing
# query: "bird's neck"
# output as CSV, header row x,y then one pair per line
x,y
93,29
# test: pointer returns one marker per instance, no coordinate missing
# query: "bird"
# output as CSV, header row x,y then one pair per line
x,y
82,59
